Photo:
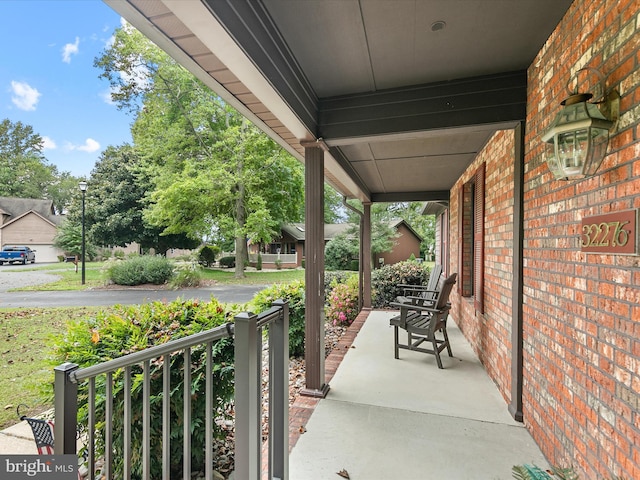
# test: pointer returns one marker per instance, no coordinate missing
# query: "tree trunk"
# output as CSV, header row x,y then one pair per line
x,y
241,218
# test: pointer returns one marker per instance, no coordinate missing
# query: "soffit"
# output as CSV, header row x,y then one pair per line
x,y
403,106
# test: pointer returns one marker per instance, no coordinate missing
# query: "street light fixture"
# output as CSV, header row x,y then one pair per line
x,y
83,188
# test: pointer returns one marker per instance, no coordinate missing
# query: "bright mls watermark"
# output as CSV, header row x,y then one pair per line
x,y
45,467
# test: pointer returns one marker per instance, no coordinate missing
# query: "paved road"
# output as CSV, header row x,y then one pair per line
x,y
226,294
13,278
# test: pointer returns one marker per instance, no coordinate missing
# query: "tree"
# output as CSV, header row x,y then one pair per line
x,y
334,210
115,202
213,172
69,239
24,172
382,234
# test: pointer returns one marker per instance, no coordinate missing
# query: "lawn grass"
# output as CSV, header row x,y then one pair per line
x,y
25,335
253,277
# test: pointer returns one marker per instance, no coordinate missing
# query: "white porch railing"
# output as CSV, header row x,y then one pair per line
x,y
272,257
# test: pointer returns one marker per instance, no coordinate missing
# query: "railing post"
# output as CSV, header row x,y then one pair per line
x,y
279,394
66,410
247,398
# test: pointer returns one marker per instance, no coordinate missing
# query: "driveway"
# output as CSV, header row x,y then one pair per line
x,y
13,278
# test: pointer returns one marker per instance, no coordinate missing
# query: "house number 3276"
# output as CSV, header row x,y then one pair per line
x,y
605,234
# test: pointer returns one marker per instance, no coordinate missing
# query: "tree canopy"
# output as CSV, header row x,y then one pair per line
x,y
212,172
25,172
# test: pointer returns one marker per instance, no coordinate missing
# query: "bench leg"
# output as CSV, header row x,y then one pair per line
x,y
395,342
436,352
446,339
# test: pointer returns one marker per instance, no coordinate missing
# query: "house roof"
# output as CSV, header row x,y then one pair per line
x,y
15,208
396,223
401,95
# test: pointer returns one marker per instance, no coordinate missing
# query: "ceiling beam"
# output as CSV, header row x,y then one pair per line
x,y
438,195
485,100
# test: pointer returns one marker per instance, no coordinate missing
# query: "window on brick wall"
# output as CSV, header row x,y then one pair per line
x,y
471,240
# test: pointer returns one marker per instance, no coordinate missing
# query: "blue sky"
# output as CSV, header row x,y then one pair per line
x,y
48,81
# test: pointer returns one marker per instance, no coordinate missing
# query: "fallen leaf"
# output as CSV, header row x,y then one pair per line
x,y
343,473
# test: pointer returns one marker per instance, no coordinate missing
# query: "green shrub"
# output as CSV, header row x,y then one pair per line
x,y
340,252
207,256
228,262
342,302
385,280
259,262
127,329
278,263
186,275
292,292
140,269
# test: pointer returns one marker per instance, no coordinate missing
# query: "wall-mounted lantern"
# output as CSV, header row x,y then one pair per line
x,y
577,140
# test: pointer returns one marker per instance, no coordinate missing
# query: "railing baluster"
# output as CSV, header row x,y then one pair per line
x,y
91,427
208,419
246,398
166,417
146,420
126,450
108,425
186,415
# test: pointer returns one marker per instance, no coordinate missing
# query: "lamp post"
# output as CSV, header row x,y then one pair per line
x,y
83,189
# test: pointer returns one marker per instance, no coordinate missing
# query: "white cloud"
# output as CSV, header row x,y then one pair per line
x,y
90,146
70,49
25,97
48,143
105,95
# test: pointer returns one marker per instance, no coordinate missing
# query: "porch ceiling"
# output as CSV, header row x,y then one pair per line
x,y
403,102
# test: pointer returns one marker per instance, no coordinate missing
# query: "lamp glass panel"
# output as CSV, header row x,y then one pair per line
x,y
597,150
572,150
552,160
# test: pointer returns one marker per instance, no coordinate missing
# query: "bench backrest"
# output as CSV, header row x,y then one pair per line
x,y
445,291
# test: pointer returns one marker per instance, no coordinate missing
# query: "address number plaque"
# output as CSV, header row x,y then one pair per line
x,y
615,232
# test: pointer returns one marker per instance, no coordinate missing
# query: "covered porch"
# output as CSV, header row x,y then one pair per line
x,y
385,418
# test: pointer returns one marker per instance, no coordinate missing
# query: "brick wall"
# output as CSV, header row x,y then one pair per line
x,y
581,312
490,334
581,317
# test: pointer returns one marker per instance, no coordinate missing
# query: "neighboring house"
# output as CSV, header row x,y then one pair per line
x,y
290,245
406,243
30,222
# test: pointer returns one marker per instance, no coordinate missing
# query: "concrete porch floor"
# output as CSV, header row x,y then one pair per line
x,y
406,419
